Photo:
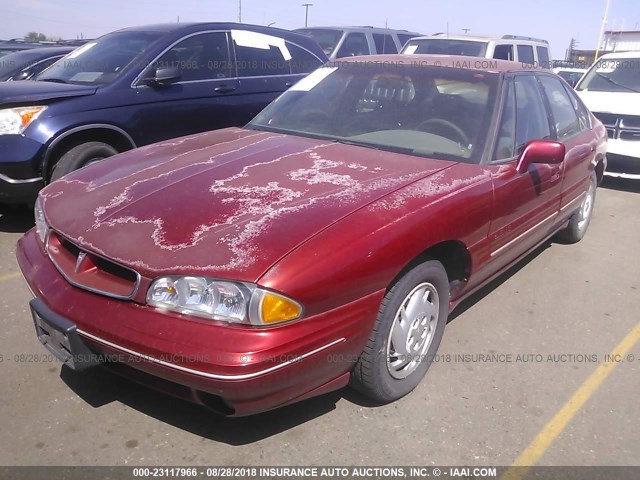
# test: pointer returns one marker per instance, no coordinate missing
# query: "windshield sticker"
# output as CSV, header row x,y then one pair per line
x,y
244,38
313,79
410,50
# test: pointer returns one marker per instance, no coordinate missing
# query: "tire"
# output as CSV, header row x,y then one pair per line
x,y
80,156
579,221
405,337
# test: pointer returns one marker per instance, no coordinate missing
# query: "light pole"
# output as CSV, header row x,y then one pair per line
x,y
239,11
306,13
604,22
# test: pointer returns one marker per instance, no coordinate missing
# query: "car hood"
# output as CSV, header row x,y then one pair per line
x,y
31,91
228,203
621,103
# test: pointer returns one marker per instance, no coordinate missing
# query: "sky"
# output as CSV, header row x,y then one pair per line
x,y
554,20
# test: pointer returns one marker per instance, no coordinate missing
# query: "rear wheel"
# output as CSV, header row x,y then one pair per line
x,y
81,156
579,221
406,335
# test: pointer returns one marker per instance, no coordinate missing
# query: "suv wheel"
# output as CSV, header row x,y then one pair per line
x,y
81,156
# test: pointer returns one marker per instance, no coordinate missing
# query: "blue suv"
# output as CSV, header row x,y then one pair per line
x,y
138,86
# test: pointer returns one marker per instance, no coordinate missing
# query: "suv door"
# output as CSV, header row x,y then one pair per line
x,y
202,99
572,127
525,204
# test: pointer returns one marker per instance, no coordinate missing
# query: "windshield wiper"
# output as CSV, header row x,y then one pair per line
x,y
53,80
374,146
613,82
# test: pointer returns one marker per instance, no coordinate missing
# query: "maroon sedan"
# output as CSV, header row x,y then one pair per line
x,y
324,244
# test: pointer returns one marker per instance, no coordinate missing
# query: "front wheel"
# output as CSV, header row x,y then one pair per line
x,y
406,335
81,156
579,221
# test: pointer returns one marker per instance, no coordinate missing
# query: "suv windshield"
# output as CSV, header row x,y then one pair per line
x,y
427,111
613,75
101,61
445,46
326,38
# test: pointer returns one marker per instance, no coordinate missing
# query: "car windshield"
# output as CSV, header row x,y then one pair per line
x,y
434,112
100,61
326,38
445,46
613,75
14,62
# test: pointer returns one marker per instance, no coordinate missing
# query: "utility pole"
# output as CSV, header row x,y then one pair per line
x,y
306,13
465,30
239,11
604,22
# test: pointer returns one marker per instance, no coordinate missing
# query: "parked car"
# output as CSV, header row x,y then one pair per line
x,y
341,42
138,86
570,75
611,90
323,244
517,48
16,45
26,64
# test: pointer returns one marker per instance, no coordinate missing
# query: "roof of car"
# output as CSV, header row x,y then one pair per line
x,y
195,26
629,54
360,29
452,61
483,38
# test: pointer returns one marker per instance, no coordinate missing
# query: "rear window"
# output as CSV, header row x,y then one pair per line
x,y
384,43
543,57
325,37
525,54
445,47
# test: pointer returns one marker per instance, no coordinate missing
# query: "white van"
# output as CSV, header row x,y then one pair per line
x,y
532,51
611,90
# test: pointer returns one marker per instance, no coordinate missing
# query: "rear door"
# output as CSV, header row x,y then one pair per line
x,y
266,66
572,126
204,97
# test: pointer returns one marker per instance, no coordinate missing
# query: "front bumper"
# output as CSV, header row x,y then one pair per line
x,y
247,370
623,159
20,165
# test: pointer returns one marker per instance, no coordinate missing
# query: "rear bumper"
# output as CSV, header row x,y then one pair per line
x,y
243,370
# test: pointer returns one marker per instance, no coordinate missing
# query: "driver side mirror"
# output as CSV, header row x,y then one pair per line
x,y
540,151
163,77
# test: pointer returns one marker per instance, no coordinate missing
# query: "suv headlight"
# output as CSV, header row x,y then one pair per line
x,y
233,302
41,223
15,120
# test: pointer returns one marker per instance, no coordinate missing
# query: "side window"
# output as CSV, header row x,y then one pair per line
x,y
503,52
260,58
543,57
40,67
507,133
384,43
525,54
564,114
200,57
302,61
583,114
355,44
531,116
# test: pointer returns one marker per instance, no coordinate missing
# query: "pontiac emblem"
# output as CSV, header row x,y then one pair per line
x,y
81,257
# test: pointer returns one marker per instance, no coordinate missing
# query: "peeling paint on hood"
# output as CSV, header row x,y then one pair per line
x,y
228,203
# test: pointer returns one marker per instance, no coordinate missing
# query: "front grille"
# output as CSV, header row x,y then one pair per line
x,y
623,127
622,164
89,271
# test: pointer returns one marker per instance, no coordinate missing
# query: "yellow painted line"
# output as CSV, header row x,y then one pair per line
x,y
558,423
9,276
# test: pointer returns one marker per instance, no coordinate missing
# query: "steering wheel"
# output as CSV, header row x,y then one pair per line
x,y
445,123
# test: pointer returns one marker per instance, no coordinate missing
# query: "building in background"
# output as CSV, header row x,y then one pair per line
x,y
621,40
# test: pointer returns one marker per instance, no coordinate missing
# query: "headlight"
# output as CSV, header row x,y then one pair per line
x,y
233,302
41,223
15,120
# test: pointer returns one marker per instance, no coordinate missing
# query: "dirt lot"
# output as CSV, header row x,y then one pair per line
x,y
535,344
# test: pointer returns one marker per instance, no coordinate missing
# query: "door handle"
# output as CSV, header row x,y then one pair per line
x,y
224,89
